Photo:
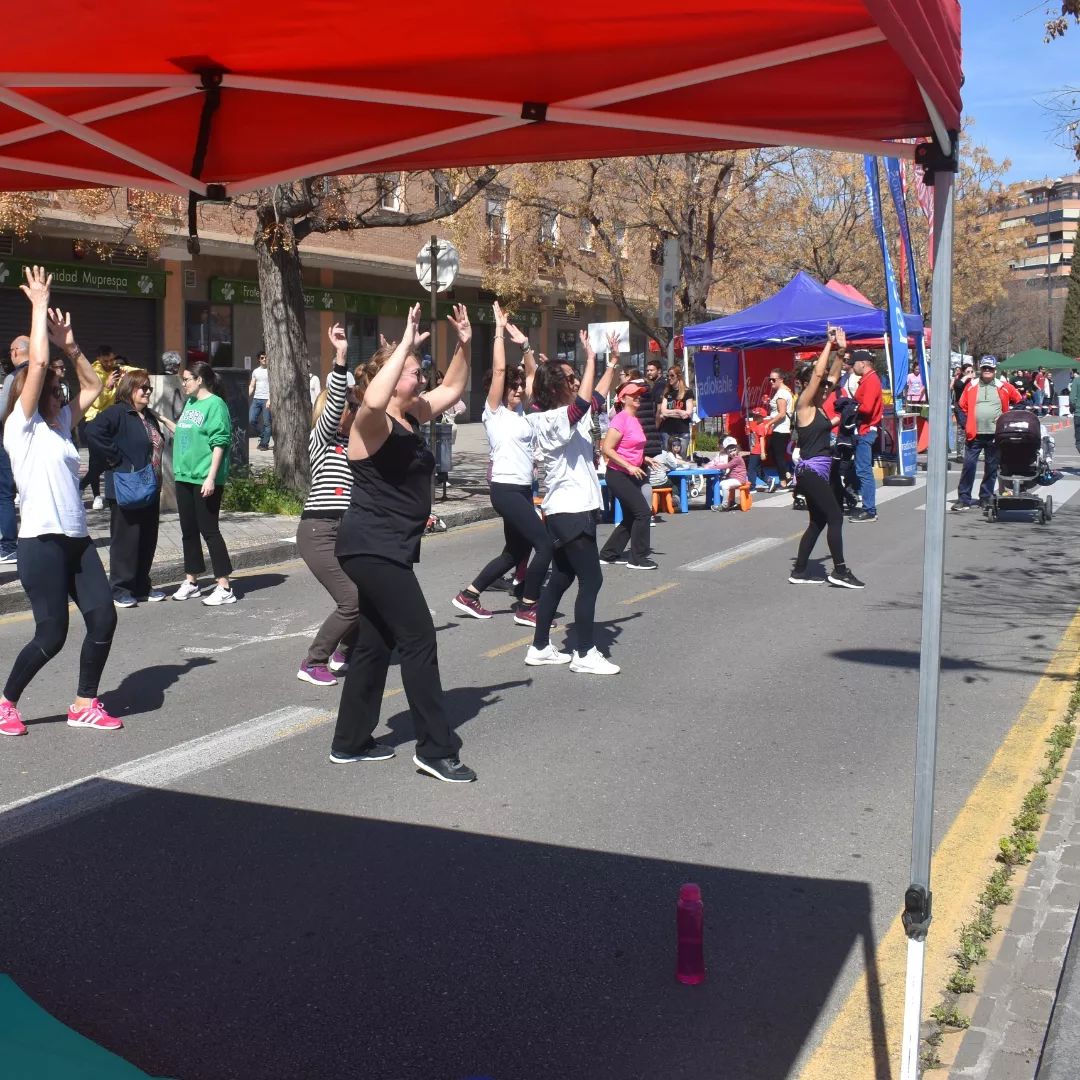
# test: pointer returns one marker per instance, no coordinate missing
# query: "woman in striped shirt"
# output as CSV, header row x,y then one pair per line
x,y
327,501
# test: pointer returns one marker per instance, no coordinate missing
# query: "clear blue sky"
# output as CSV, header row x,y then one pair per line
x,y
1009,75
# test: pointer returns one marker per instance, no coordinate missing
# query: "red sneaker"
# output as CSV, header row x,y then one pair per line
x,y
10,721
526,616
471,605
93,716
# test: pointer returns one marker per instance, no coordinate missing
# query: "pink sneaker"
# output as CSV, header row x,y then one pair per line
x,y
526,616
316,674
338,662
10,721
93,716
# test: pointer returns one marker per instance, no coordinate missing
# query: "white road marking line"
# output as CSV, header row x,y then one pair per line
x,y
884,495
740,551
238,641
64,803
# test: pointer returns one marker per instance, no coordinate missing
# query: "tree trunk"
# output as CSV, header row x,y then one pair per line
x,y
284,332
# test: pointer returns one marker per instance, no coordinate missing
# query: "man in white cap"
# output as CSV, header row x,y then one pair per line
x,y
982,402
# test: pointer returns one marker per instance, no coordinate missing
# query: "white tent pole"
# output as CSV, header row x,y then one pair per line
x,y
90,177
917,900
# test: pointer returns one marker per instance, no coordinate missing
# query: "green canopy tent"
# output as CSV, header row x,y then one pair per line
x,y
33,1043
1033,359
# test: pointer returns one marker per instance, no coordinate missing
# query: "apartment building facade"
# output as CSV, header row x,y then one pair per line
x,y
208,305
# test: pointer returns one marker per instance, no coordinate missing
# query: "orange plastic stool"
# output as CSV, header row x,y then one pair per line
x,y
746,499
662,502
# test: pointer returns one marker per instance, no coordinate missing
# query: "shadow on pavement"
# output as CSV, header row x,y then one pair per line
x,y
143,691
212,939
463,703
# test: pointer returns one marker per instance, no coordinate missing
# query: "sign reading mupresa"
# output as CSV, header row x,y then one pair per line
x,y
88,277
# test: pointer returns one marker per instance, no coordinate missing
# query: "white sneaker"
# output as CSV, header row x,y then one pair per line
x,y
219,596
593,663
99,503
155,596
187,590
548,655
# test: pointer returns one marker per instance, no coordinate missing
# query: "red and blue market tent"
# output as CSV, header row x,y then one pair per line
x,y
190,96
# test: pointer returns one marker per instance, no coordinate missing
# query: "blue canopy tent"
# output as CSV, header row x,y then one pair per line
x,y
799,314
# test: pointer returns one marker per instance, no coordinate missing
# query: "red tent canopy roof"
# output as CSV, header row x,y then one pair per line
x,y
113,93
847,290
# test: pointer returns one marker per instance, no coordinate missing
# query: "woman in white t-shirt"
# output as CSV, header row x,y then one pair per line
x,y
781,406
511,480
561,429
57,559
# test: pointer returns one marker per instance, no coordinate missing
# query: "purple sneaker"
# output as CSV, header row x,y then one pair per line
x,y
316,674
338,662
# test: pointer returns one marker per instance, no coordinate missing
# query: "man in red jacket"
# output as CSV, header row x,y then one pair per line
x,y
982,402
870,407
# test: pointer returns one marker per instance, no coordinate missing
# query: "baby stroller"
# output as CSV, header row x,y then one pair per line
x,y
1022,453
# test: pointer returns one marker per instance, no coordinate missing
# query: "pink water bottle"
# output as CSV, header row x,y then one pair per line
x,y
690,927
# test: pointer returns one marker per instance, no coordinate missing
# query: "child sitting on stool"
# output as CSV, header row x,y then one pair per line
x,y
731,462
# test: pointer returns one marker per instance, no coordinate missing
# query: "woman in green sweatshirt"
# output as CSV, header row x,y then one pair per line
x,y
201,466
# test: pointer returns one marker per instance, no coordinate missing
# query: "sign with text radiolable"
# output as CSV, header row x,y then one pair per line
x,y
89,278
717,378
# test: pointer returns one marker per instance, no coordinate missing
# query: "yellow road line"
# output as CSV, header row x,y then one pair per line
x,y
652,592
963,861
510,646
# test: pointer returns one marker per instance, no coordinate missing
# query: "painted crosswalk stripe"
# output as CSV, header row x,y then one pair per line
x,y
734,554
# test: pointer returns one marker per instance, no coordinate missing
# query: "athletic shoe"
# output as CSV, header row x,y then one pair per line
x,y
449,769
11,723
11,557
773,483
465,601
155,596
316,674
525,615
843,577
613,560
99,503
547,655
652,523
723,509
338,662
220,596
376,752
647,564
863,515
93,716
125,600
593,663
803,577
187,590
959,507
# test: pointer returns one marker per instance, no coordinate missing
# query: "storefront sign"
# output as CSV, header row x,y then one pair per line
x,y
239,291
89,278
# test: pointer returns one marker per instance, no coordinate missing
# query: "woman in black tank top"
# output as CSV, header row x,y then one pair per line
x,y
813,434
378,543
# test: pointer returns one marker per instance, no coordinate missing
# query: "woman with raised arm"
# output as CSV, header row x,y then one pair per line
x,y
511,477
378,544
561,429
57,559
813,472
327,501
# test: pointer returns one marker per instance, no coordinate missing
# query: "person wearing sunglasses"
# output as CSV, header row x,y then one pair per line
x,y
327,500
781,407
128,437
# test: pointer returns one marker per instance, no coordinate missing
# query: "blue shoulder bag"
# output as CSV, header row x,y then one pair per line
x,y
136,489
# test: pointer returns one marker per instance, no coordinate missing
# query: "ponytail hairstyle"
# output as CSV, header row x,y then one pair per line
x,y
210,378
515,380
549,385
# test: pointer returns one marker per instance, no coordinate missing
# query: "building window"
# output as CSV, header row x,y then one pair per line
x,y
362,332
443,195
390,192
566,342
498,231
208,333
587,235
619,239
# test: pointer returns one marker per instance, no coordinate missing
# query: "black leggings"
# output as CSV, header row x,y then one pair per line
x,y
393,612
199,517
53,569
778,445
825,513
576,559
637,513
523,531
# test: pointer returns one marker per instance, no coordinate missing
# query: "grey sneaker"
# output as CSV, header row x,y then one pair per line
x,y
377,752
448,769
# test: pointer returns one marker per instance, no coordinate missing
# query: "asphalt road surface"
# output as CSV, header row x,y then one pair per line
x,y
234,906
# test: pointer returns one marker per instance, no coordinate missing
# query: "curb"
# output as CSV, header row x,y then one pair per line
x,y
251,558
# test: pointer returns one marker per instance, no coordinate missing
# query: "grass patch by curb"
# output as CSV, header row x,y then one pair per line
x,y
259,493
1014,850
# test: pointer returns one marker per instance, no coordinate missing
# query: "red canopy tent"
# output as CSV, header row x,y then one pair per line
x,y
187,97
183,97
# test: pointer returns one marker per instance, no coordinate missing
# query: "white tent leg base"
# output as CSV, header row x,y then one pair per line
x,y
909,1059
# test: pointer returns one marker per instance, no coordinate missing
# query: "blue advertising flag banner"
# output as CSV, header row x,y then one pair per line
x,y
896,186
717,377
897,330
